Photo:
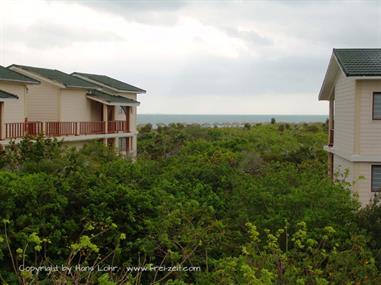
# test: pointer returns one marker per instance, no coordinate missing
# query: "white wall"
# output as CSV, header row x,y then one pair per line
x,y
342,166
43,102
359,175
344,113
363,184
370,130
75,106
14,110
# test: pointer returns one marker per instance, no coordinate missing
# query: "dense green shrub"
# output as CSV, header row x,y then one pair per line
x,y
186,201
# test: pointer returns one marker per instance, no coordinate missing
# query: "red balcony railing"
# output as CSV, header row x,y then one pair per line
x,y
19,130
117,126
14,130
91,128
57,129
34,128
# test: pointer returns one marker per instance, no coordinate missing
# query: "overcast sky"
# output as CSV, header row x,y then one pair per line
x,y
194,57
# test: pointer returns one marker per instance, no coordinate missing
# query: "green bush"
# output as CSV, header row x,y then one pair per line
x,y
186,201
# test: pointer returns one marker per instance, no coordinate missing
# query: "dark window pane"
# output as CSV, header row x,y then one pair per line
x,y
377,106
376,178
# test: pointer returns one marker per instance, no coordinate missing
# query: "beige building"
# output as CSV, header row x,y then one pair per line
x,y
76,108
352,85
13,93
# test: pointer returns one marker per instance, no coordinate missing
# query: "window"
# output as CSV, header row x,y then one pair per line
x,y
376,178
377,106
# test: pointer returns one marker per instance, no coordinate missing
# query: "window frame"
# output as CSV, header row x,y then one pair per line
x,y
373,107
371,178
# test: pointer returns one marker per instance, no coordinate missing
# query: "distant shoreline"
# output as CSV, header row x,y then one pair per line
x,y
233,120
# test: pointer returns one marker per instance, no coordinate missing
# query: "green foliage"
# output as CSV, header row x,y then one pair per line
x,y
304,259
105,280
248,205
369,218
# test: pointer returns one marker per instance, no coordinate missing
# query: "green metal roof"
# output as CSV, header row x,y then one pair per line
x,y
10,75
59,76
359,62
7,95
111,82
111,99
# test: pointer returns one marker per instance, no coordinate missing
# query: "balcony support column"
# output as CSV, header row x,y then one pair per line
x,y
105,121
2,123
44,128
128,118
77,128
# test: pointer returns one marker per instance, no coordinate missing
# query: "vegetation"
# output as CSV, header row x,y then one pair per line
x,y
249,205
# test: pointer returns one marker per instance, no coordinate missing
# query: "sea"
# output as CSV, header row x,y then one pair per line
x,y
158,119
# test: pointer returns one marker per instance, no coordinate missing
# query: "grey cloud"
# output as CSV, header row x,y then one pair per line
x,y
157,12
249,76
330,23
359,33
313,26
339,23
333,23
251,37
44,35
126,6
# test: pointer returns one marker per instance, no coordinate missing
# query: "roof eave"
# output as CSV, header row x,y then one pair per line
x,y
329,79
132,104
368,76
130,91
80,87
9,95
20,81
29,73
5,99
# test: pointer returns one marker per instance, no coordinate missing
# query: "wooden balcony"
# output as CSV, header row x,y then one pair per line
x,y
92,128
61,129
58,129
19,130
118,127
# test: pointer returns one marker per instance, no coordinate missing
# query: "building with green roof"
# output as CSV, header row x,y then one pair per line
x,y
62,78
77,108
13,95
352,86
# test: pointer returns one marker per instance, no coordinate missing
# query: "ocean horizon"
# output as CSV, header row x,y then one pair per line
x,y
156,119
